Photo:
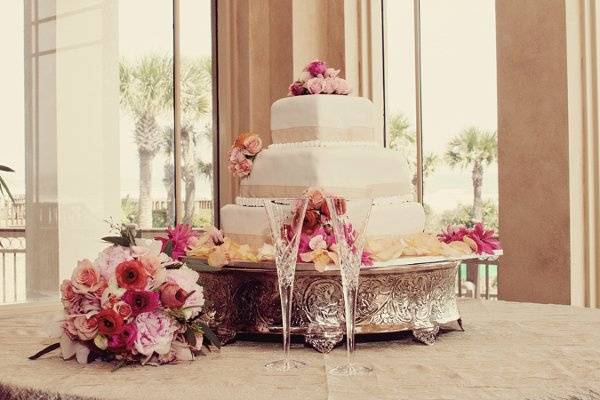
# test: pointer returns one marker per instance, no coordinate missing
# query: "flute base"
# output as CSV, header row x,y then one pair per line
x,y
284,365
350,370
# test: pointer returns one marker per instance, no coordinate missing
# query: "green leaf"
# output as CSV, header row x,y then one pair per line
x,y
210,335
190,337
168,248
45,350
118,240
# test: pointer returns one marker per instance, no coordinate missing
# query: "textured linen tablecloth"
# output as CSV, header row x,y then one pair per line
x,y
508,351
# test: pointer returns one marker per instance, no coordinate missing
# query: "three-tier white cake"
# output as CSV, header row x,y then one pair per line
x,y
330,142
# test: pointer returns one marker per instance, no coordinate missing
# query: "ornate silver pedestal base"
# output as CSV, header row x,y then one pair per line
x,y
415,298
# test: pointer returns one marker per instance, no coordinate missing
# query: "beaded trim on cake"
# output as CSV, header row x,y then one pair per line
x,y
323,143
258,201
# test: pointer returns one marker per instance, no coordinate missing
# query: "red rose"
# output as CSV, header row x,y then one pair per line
x,y
109,322
172,295
131,275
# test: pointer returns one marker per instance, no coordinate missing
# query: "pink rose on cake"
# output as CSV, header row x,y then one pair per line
x,y
318,78
316,67
244,150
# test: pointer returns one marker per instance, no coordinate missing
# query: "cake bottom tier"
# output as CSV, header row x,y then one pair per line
x,y
249,225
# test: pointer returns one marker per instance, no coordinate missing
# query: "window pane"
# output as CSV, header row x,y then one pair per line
x,y
458,49
146,113
197,117
399,53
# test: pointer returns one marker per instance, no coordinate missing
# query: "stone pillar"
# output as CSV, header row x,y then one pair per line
x,y
72,135
533,151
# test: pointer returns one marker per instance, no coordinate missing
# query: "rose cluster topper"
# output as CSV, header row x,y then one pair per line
x,y
136,303
242,154
317,78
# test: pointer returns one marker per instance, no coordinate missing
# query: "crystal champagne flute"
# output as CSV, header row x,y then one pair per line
x,y
349,219
286,217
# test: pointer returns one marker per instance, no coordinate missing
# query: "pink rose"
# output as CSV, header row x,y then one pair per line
x,y
317,67
252,145
109,258
342,86
187,279
154,333
330,85
172,295
331,73
123,309
86,328
242,168
297,89
86,278
89,304
304,76
236,155
315,85
151,263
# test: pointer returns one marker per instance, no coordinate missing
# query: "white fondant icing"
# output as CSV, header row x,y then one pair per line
x,y
321,143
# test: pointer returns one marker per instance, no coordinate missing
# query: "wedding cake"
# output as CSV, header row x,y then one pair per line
x,y
329,142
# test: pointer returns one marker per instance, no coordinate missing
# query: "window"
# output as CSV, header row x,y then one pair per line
x,y
440,104
107,115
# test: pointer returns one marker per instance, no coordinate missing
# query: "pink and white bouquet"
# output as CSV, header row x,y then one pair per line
x,y
136,303
317,78
317,240
242,154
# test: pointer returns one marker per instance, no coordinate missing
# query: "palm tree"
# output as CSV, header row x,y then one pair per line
x,y
196,90
475,148
146,93
403,139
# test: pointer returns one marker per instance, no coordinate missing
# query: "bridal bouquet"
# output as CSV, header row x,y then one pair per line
x,y
136,303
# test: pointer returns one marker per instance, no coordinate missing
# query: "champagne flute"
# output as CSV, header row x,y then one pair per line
x,y
349,219
286,217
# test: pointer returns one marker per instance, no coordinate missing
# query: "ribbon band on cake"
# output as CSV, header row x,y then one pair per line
x,y
279,191
325,133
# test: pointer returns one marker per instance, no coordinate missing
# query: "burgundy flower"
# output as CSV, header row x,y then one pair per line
x,y
297,89
124,340
109,322
317,67
141,301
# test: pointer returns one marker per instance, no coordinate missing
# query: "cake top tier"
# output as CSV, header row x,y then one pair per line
x,y
322,117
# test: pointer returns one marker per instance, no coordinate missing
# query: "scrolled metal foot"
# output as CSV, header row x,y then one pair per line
x,y
426,335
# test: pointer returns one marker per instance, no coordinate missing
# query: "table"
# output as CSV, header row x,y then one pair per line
x,y
508,351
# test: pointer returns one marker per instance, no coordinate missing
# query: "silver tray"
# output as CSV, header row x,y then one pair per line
x,y
415,297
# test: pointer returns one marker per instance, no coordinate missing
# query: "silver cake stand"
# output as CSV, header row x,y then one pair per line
x,y
420,298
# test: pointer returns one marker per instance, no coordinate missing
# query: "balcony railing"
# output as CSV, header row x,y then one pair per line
x,y
12,265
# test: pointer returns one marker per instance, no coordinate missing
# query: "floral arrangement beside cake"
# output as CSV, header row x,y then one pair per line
x,y
136,303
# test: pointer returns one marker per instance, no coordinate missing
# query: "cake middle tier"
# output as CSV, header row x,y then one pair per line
x,y
345,170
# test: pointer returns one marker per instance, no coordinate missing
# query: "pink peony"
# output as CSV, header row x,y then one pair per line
x,y
154,333
187,279
85,328
86,278
342,86
180,238
331,73
297,89
141,301
124,340
315,85
317,67
110,257
252,145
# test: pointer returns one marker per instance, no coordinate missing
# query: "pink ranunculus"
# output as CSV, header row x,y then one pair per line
x,y
342,86
86,277
110,257
252,145
297,89
187,279
180,237
315,85
331,73
154,333
141,301
317,67
87,328
124,340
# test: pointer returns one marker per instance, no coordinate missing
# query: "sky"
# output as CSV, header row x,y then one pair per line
x,y
459,79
